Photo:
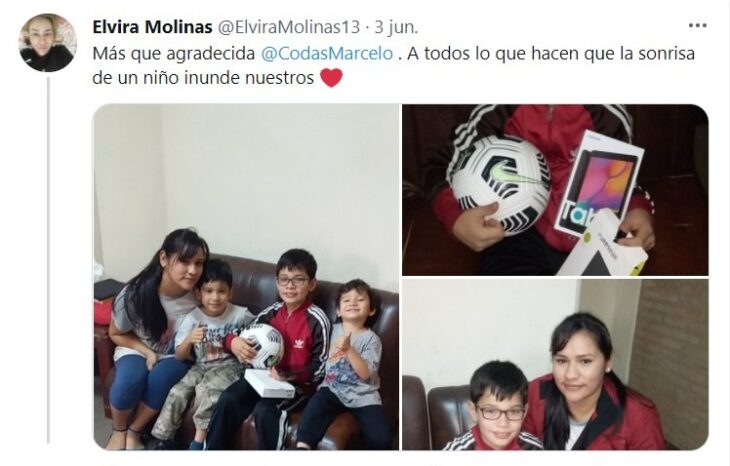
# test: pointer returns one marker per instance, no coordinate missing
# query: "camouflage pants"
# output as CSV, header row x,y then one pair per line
x,y
206,382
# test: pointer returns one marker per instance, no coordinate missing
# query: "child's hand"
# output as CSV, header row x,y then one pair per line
x,y
198,333
639,223
151,360
476,229
343,343
242,349
276,375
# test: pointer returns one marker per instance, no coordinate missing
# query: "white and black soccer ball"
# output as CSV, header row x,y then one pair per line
x,y
505,169
268,342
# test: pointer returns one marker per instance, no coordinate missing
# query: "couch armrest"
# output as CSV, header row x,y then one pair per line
x,y
416,430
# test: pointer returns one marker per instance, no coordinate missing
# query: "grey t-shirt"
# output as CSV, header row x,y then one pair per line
x,y
128,321
341,378
211,350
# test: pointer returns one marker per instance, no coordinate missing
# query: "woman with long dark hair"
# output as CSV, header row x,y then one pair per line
x,y
582,404
144,319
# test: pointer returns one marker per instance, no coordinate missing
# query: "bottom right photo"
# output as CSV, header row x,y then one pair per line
x,y
554,364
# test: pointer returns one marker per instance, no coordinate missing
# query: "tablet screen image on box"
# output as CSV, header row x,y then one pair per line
x,y
603,176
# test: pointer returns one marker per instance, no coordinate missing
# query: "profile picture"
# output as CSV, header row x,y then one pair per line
x,y
47,42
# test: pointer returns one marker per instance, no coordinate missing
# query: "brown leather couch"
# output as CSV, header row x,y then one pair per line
x,y
437,421
416,431
254,287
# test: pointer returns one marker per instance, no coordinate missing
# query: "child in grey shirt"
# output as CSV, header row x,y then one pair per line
x,y
351,379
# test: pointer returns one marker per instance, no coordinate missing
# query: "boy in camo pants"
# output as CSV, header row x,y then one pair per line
x,y
202,332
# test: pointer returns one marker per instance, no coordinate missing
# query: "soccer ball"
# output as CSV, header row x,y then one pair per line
x,y
268,342
508,170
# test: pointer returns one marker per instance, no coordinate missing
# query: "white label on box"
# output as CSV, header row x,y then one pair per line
x,y
597,254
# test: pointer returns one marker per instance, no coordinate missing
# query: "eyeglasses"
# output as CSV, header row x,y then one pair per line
x,y
297,281
492,414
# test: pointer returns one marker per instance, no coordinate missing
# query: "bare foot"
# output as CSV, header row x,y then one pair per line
x,y
117,441
133,440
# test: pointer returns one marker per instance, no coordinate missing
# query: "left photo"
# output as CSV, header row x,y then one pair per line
x,y
246,277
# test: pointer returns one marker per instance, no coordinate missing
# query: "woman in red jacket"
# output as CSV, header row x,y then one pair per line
x,y
583,405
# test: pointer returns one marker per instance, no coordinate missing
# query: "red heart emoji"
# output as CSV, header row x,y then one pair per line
x,y
331,76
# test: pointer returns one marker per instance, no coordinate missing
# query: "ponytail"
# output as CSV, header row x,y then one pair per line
x,y
142,291
556,427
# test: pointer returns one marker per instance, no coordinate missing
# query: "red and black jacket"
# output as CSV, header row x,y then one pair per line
x,y
472,440
306,333
640,428
556,130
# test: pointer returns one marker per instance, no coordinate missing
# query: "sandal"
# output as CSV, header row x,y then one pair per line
x,y
138,433
114,429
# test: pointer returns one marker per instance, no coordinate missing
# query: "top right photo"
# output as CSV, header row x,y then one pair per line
x,y
571,190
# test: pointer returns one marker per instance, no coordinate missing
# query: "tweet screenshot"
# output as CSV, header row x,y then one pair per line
x,y
328,233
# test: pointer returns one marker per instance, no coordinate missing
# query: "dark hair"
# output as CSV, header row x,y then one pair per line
x,y
362,287
297,259
216,270
142,291
557,422
501,378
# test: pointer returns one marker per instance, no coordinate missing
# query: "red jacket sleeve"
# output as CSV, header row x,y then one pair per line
x,y
646,431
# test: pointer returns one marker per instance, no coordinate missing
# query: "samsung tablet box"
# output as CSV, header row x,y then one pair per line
x,y
266,386
598,253
603,177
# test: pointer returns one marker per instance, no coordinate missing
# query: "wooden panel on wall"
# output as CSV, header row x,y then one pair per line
x,y
669,362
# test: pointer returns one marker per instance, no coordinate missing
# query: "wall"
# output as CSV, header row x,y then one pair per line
x,y
451,327
615,302
98,250
129,185
255,180
670,359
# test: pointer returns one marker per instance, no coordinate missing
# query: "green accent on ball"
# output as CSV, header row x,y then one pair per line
x,y
587,238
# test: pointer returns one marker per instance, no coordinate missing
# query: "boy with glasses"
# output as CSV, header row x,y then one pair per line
x,y
305,329
498,405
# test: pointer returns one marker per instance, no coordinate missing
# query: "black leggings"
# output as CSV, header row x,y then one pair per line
x,y
237,403
325,406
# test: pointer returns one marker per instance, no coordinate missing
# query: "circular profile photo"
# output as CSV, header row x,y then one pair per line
x,y
47,42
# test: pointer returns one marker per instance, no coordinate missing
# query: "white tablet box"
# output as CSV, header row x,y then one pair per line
x,y
596,253
593,144
266,386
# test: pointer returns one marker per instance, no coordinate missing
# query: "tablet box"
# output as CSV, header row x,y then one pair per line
x,y
266,386
603,176
598,254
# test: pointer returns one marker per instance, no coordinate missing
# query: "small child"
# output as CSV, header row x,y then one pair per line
x,y
351,379
203,332
498,406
